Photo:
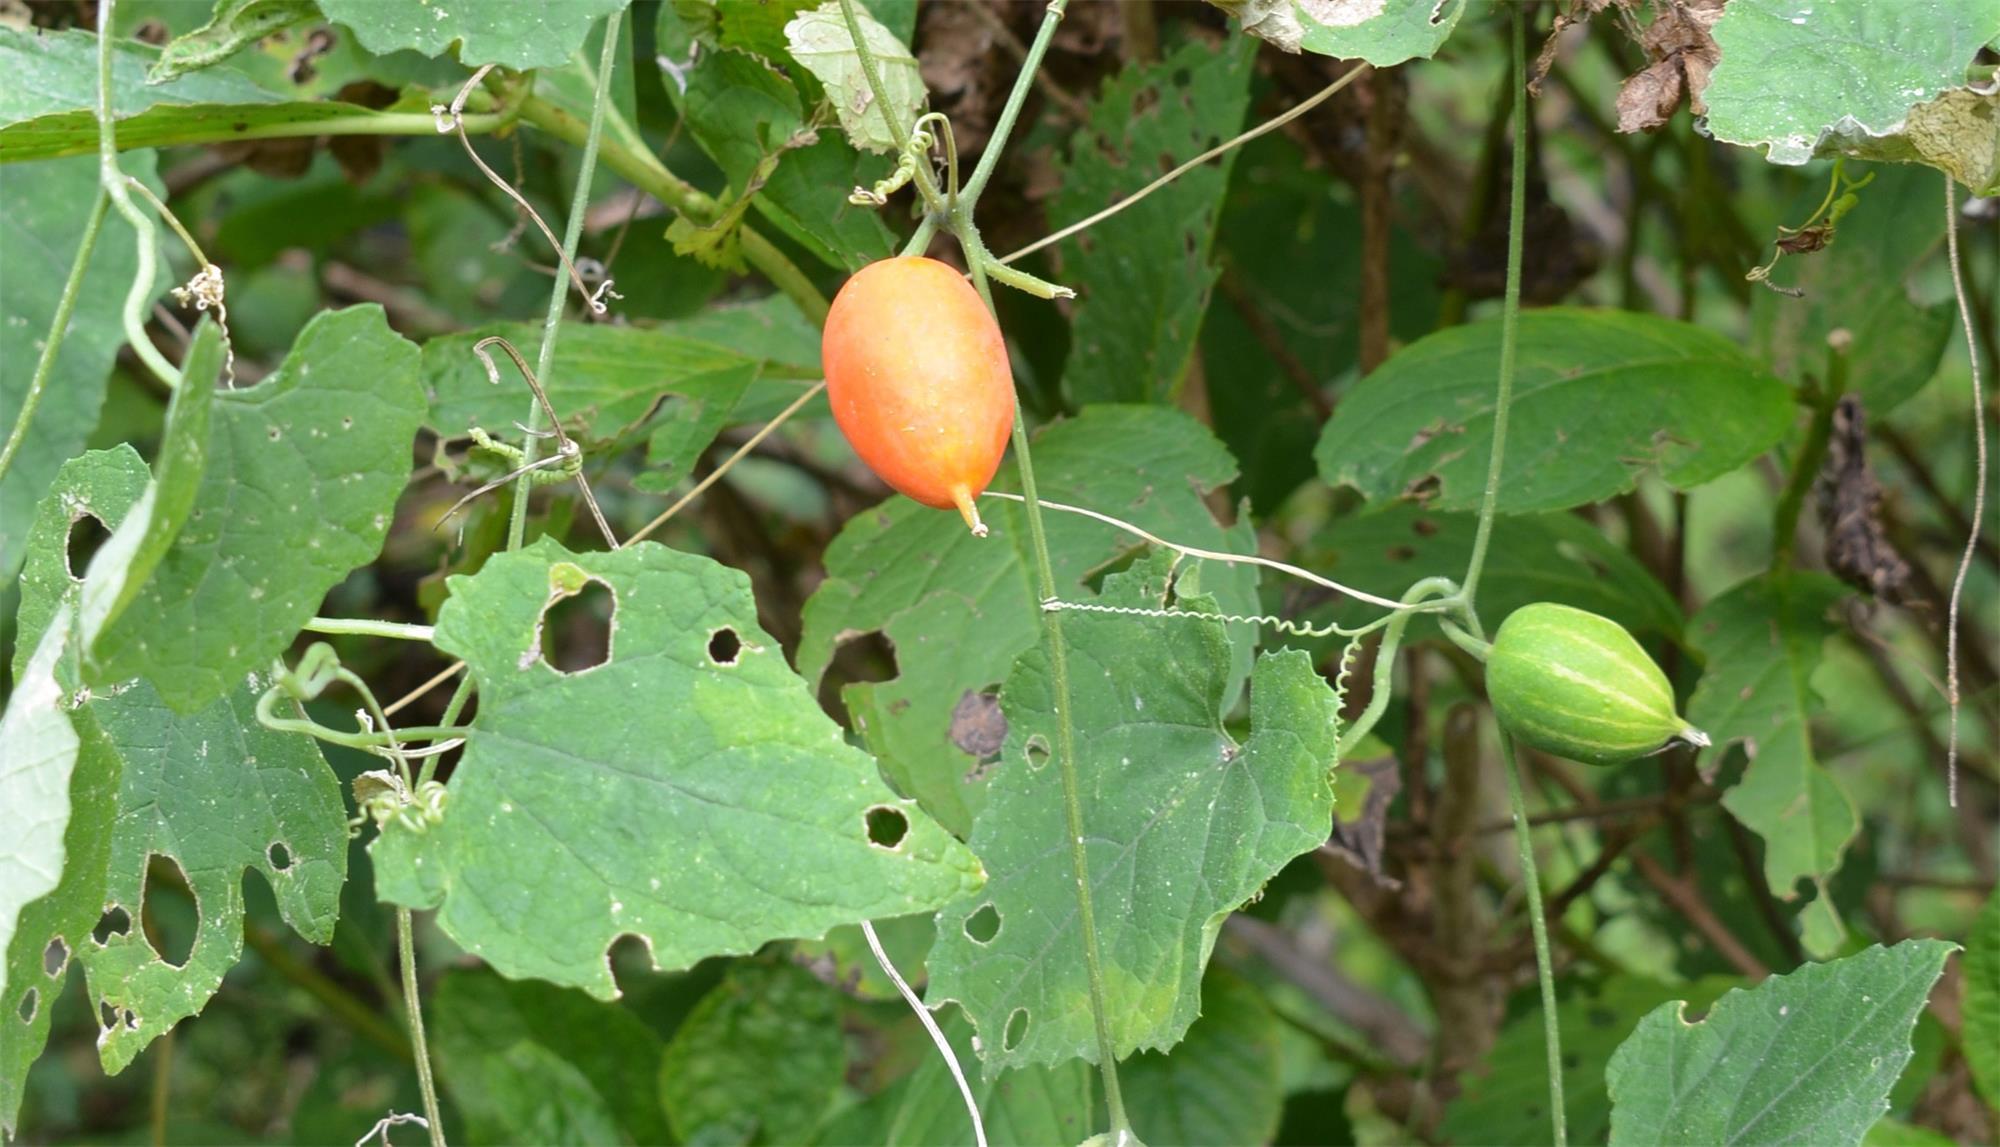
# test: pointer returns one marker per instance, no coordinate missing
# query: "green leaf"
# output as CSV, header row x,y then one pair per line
x,y
759,1060
530,1063
1533,557
688,790
820,41
1861,284
960,609
517,36
608,379
1223,1084
1382,32
1505,1099
43,211
1982,1000
1025,1107
1807,1057
41,755
686,423
1598,395
745,114
235,25
303,474
1143,277
1896,1133
47,109
1760,643
844,958
214,792
1796,79
1181,821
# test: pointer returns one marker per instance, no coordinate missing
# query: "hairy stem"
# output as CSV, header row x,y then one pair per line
x,y
112,178
579,206
58,327
1531,879
1978,488
406,951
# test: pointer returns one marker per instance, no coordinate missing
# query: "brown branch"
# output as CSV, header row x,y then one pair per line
x,y
1272,340
1388,1029
1920,473
1686,899
1468,1008
1386,92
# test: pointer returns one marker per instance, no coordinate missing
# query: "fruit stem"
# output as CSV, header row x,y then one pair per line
x,y
962,498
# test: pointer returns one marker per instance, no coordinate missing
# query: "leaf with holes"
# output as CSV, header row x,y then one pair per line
x,y
1863,285
213,792
47,107
960,609
1382,32
686,790
1182,824
822,43
1223,1084
518,36
1143,278
1807,1057
44,208
1598,396
530,1063
759,1060
1025,1107
303,474
1760,643
608,380
1797,78
744,114
234,26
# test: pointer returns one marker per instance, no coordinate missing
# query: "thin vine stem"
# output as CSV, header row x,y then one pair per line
x,y
517,522
369,627
112,179
1978,491
58,328
1538,926
1510,320
406,952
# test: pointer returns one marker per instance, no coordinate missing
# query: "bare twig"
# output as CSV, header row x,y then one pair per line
x,y
728,462
1978,488
930,1025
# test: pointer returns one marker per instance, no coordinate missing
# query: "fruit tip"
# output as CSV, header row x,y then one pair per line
x,y
962,498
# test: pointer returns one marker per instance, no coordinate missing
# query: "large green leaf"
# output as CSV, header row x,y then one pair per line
x,y
43,211
607,379
1862,284
530,1063
1760,643
687,790
757,1061
1533,557
1382,32
1024,1107
1222,1085
745,114
1797,77
1181,822
1506,1097
1807,1057
1598,396
47,107
41,755
960,609
512,35
1982,1000
820,41
303,474
213,791
1143,278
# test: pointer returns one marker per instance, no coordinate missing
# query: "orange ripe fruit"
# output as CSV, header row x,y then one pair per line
x,y
917,374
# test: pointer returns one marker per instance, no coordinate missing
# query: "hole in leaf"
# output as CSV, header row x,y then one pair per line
x,y
86,534
576,629
887,826
107,1016
983,925
859,657
723,646
279,856
1017,1030
29,999
131,1020
115,922
171,938
1038,751
55,958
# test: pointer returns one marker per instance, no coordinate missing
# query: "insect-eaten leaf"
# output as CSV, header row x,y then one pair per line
x,y
687,791
1180,824
821,42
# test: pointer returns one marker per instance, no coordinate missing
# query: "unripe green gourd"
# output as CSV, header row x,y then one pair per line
x,y
1577,685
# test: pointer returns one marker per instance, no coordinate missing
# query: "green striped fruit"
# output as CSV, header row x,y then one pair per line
x,y
1577,685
